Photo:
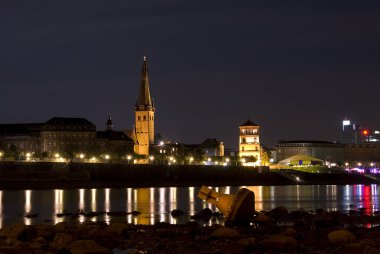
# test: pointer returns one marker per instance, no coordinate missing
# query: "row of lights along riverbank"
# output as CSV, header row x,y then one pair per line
x,y
106,158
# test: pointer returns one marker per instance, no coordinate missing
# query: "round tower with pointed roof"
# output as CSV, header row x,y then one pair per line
x,y
249,141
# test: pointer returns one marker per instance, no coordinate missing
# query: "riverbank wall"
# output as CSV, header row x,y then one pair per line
x,y
47,175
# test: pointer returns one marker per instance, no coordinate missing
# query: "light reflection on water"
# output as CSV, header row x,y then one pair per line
x,y
155,204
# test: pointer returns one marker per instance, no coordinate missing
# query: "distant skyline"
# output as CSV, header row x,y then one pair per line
x,y
295,68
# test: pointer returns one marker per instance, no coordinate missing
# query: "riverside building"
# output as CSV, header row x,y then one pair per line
x,y
249,143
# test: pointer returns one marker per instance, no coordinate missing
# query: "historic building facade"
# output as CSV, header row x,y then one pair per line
x,y
249,142
58,135
324,150
144,116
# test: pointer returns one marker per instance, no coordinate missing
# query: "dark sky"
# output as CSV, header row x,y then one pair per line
x,y
296,68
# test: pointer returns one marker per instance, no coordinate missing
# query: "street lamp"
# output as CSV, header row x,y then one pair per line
x,y
151,158
81,155
129,157
107,157
28,156
191,159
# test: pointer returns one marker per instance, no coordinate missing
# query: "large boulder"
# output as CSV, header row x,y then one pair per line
x,y
341,237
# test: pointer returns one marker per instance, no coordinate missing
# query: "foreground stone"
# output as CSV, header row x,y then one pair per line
x,y
304,233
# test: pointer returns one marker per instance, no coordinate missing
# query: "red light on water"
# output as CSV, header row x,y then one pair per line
x,y
365,132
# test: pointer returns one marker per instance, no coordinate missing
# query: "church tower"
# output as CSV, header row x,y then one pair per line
x,y
144,115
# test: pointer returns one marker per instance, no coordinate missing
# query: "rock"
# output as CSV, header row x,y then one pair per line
x,y
87,247
62,227
135,213
13,231
27,234
223,232
62,240
263,220
119,228
176,213
39,243
45,231
341,237
299,215
204,215
279,242
89,230
12,241
278,214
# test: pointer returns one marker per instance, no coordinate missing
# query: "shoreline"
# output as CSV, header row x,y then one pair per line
x,y
43,175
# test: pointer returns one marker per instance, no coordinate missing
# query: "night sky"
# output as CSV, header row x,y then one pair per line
x,y
296,68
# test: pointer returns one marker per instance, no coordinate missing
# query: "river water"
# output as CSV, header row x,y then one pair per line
x,y
155,204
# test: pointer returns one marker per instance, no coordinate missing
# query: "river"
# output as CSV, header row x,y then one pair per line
x,y
155,204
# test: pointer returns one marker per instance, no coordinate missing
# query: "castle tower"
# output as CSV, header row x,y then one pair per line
x,y
249,142
144,115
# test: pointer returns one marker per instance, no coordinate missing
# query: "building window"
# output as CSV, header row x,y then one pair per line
x,y
139,118
144,117
242,148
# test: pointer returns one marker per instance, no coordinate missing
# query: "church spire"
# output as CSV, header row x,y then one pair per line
x,y
144,101
109,123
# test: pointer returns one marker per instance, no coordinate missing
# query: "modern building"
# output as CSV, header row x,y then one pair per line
x,y
324,150
353,133
144,116
350,132
249,141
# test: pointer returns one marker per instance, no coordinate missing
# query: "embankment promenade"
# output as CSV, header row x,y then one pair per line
x,y
47,175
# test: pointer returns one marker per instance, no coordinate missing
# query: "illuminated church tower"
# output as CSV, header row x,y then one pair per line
x,y
144,115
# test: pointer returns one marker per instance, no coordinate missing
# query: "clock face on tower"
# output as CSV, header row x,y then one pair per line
x,y
141,107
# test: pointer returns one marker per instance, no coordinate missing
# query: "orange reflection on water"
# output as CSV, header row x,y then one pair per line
x,y
58,205
28,206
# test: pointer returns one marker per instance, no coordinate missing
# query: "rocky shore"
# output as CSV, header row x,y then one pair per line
x,y
276,231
